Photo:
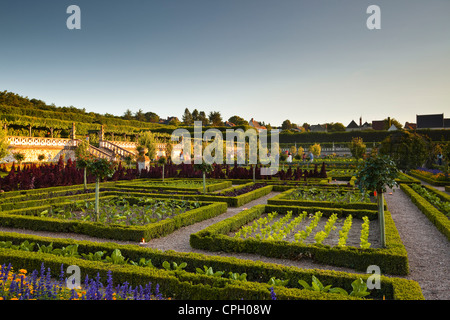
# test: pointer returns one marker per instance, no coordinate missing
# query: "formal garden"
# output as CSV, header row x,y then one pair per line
x,y
246,233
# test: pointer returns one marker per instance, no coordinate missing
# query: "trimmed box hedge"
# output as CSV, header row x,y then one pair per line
x,y
187,284
439,219
213,185
393,259
282,200
28,218
231,201
429,180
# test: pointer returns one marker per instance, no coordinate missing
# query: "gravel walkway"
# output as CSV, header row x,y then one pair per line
x,y
428,250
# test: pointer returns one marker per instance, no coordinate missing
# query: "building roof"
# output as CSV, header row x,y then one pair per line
x,y
378,125
430,121
410,126
352,125
255,124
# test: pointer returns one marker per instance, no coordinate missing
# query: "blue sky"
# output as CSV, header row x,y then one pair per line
x,y
309,61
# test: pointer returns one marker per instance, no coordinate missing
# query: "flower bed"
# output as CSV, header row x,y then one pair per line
x,y
218,237
34,218
432,176
179,277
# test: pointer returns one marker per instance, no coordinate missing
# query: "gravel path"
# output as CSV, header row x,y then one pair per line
x,y
428,250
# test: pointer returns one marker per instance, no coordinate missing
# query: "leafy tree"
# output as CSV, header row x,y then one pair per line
x,y
202,117
83,155
335,127
147,140
101,169
151,117
388,122
238,121
357,148
204,168
378,173
195,115
128,115
315,149
408,150
139,115
162,161
19,157
286,125
187,117
215,118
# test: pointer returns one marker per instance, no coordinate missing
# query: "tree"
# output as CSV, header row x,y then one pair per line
x,y
83,155
378,173
151,117
128,115
139,115
3,141
204,168
202,117
306,126
408,150
286,125
315,149
215,118
238,121
100,168
335,127
147,140
357,148
187,117
19,157
388,122
195,115
162,161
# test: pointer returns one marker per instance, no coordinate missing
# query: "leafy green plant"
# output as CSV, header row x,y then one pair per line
x,y
209,272
143,263
343,233
166,265
364,244
278,282
237,276
97,256
69,251
116,257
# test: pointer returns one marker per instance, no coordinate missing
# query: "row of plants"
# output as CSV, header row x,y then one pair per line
x,y
439,200
325,197
391,259
438,218
299,228
197,276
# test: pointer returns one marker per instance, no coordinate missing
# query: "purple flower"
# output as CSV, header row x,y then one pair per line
x,y
109,287
272,294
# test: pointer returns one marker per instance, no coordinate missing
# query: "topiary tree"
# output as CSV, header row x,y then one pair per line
x,y
148,141
162,161
100,168
83,155
376,174
204,168
19,157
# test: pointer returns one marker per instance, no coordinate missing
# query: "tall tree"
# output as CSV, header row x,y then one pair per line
x,y
151,117
187,117
238,121
215,118
139,115
286,125
3,141
128,115
202,117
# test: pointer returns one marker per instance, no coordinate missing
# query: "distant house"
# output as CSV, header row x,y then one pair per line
x,y
392,128
410,126
167,121
432,121
378,125
352,126
318,128
255,124
229,124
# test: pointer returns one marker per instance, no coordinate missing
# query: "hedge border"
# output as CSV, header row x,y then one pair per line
x,y
185,285
430,181
140,184
439,219
392,260
279,200
20,218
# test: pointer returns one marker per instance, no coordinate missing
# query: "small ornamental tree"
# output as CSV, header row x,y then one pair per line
x,y
376,174
83,155
357,148
100,169
315,149
204,168
162,161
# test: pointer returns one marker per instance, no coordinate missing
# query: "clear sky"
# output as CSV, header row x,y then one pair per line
x,y
309,61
